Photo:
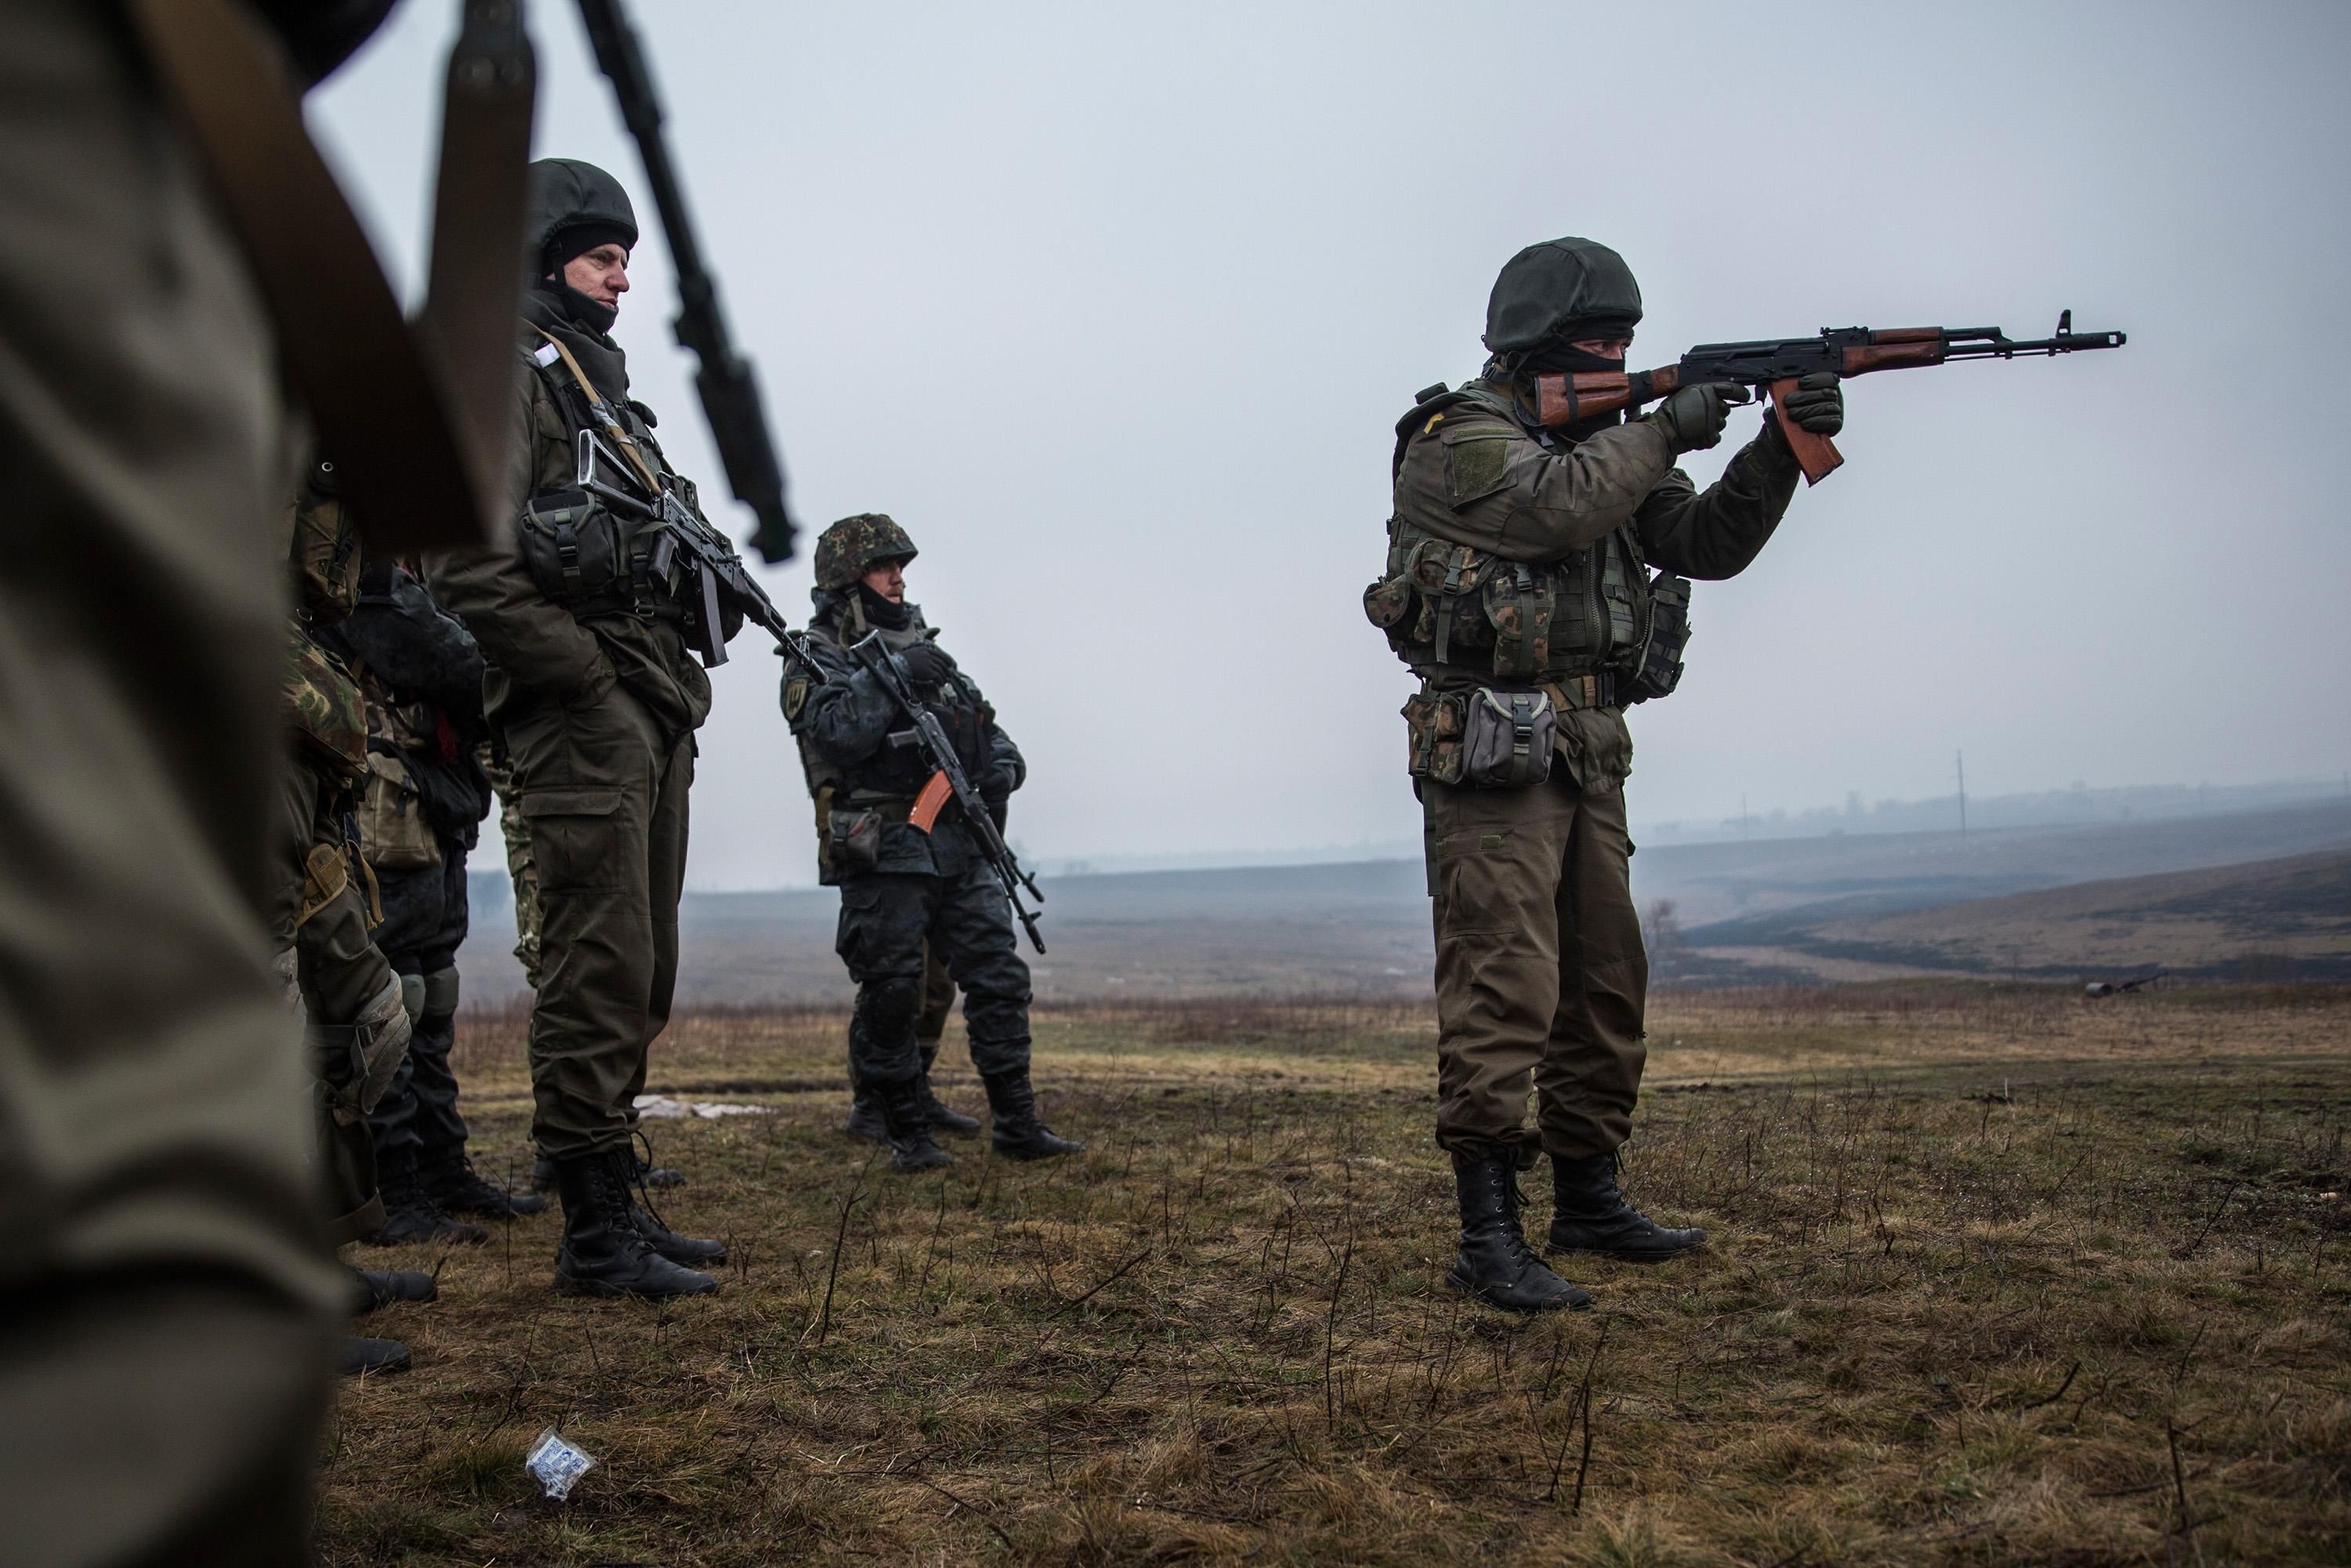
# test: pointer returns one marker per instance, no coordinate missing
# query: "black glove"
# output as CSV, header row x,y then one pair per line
x,y
1693,417
928,663
1817,404
996,789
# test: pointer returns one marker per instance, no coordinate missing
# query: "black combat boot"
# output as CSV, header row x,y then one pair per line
x,y
604,1253
1495,1264
362,1355
374,1288
410,1215
866,1118
542,1175
692,1252
909,1130
1019,1133
1592,1215
943,1117
459,1188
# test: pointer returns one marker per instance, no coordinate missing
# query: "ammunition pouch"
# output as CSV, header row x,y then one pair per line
x,y
395,834
852,840
587,557
1481,738
1660,667
1452,606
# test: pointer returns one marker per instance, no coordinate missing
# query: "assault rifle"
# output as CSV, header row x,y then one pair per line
x,y
685,546
1776,363
730,393
948,780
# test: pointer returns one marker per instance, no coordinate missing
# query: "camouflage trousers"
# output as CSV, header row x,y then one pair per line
x,y
522,869
1541,982
893,927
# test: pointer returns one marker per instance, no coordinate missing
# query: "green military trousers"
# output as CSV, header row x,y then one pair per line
x,y
604,792
166,1298
1541,976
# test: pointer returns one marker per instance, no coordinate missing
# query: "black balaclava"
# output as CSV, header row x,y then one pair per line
x,y
880,612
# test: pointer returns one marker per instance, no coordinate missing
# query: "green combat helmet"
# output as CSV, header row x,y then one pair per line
x,y
854,546
573,202
1560,291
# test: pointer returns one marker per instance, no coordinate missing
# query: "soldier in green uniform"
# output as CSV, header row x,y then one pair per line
x,y
592,689
906,892
1519,589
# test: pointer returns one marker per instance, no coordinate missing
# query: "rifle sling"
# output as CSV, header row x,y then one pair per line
x,y
378,393
605,416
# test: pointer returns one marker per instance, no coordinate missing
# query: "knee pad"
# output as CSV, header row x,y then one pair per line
x,y
887,1008
412,997
441,993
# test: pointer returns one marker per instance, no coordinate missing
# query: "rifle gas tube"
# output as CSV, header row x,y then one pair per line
x,y
1777,363
730,391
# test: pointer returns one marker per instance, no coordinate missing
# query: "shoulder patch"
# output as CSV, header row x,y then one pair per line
x,y
796,691
1476,468
546,355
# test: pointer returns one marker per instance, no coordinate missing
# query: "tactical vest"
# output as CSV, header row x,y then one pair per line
x,y
590,557
893,776
1458,613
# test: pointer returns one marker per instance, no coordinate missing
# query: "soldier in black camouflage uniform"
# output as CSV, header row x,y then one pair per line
x,y
419,815
903,889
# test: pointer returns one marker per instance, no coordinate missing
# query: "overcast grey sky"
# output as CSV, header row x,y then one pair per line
x,y
1115,308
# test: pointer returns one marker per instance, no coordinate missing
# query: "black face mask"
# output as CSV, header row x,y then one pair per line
x,y
880,612
577,307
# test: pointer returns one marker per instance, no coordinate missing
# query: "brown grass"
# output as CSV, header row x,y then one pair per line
x,y
1999,1276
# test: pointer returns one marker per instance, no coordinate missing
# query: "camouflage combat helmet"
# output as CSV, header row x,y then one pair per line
x,y
1558,292
854,546
570,200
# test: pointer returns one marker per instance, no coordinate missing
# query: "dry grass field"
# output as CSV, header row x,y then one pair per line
x,y
2000,1276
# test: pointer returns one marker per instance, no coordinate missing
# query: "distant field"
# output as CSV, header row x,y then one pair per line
x,y
1361,929
2271,920
2000,1275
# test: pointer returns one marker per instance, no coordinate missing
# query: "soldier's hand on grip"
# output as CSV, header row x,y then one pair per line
x,y
1817,404
1693,417
927,662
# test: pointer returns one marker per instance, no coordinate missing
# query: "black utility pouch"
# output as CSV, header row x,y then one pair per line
x,y
854,839
1506,739
1481,738
571,545
1660,670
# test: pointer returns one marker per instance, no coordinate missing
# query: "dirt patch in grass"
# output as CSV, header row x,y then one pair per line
x,y
1997,1275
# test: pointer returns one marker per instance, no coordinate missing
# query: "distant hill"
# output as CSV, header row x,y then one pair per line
x,y
1746,911
2275,919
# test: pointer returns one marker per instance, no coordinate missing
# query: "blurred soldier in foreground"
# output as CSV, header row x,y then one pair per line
x,y
904,892
1517,589
596,697
166,1294
420,812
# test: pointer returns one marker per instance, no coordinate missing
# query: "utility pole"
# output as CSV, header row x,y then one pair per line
x,y
1742,816
1964,797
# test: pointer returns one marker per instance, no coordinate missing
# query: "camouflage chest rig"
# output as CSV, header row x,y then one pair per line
x,y
1515,641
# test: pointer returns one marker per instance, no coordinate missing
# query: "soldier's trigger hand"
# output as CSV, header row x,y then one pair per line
x,y
1693,417
928,663
1817,404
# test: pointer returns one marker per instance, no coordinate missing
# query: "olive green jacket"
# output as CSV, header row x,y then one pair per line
x,y
539,650
1478,477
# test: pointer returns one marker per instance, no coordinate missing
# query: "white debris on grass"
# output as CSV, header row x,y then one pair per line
x,y
556,1464
660,1106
